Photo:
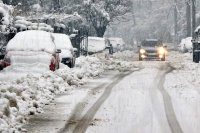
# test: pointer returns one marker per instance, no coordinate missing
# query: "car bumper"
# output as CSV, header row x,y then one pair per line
x,y
152,56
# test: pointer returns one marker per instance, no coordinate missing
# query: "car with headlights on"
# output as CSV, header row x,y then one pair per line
x,y
152,49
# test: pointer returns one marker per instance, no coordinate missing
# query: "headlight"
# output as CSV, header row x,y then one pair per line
x,y
142,51
161,51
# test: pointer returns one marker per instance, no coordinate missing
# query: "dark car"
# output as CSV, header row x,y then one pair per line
x,y
152,49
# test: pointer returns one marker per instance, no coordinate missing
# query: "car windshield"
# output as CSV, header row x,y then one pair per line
x,y
150,43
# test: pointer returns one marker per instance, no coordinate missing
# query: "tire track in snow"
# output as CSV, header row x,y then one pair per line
x,y
169,110
79,108
83,124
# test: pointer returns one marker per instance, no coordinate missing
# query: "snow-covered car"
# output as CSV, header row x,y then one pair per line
x,y
152,49
96,44
117,43
68,53
32,49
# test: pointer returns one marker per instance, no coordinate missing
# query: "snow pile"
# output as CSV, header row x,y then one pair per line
x,y
186,67
96,44
26,96
119,61
186,45
89,66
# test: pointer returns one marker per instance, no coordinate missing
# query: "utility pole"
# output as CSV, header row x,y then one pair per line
x,y
193,16
175,22
188,18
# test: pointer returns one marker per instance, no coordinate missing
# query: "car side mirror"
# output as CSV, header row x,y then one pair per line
x,y
58,51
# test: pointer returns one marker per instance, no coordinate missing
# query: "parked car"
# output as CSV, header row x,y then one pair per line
x,y
30,48
96,45
117,43
68,53
152,49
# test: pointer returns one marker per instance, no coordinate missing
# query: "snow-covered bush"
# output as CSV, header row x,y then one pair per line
x,y
186,45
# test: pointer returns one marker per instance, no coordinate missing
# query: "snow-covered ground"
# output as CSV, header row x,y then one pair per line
x,y
125,96
23,93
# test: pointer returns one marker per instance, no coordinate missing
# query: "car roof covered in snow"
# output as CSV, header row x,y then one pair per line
x,y
62,41
32,40
96,44
116,40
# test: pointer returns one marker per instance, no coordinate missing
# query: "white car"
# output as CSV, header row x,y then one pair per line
x,y
67,55
118,44
32,50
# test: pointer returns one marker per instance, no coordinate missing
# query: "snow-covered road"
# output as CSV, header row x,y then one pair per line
x,y
158,97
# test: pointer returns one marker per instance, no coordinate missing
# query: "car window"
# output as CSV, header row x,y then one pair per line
x,y
150,43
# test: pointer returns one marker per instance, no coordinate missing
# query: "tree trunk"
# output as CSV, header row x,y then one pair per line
x,y
100,31
188,17
56,4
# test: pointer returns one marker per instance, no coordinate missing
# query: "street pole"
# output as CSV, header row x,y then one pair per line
x,y
188,18
193,16
175,22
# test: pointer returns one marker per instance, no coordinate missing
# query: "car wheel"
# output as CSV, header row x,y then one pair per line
x,y
140,58
163,59
69,65
196,57
58,66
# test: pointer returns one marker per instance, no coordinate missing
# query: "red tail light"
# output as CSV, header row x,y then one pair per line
x,y
52,66
6,62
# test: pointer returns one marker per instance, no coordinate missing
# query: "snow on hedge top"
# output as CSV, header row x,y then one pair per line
x,y
22,23
62,41
96,44
32,40
116,41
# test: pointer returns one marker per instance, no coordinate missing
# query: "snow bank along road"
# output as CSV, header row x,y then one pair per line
x,y
157,98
